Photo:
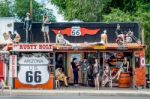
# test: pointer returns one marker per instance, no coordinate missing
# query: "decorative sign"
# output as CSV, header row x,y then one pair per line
x,y
13,66
32,47
99,47
33,60
33,70
142,61
78,56
75,31
119,55
137,53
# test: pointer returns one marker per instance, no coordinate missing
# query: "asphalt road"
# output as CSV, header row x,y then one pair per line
x,y
74,97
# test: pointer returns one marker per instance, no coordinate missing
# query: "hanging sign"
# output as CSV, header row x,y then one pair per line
x,y
13,66
32,47
33,70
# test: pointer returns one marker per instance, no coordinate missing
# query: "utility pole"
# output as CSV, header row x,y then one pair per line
x,y
31,9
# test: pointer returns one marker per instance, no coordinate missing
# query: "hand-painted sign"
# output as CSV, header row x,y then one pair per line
x,y
13,66
76,31
32,47
33,70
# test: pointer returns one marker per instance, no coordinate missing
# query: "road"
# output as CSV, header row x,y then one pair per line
x,y
74,97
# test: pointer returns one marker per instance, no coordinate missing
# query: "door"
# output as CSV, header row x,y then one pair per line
x,y
70,56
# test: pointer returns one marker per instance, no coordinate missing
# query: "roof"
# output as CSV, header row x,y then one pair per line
x,y
74,47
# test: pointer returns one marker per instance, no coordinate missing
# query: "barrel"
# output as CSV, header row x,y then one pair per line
x,y
124,80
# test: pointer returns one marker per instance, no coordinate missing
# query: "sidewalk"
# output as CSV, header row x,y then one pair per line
x,y
141,92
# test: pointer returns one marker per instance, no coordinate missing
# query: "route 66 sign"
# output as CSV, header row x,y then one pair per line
x,y
33,70
75,31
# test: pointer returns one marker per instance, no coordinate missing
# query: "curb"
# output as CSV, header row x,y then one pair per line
x,y
78,92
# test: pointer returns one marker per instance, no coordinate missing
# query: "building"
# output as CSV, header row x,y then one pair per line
x,y
32,65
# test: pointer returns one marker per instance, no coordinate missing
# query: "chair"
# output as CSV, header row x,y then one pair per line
x,y
4,86
57,83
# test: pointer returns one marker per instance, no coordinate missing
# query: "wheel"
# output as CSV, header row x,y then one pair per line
x,y
128,39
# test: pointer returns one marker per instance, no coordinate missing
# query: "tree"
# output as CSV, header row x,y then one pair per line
x,y
5,8
23,6
109,11
141,15
19,8
84,10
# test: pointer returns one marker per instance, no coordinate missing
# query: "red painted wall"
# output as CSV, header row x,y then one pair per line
x,y
1,70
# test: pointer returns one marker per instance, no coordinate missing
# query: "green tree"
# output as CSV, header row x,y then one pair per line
x,y
109,11
19,8
5,8
141,15
85,10
23,6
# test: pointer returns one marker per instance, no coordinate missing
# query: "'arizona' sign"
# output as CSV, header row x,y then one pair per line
x,y
33,70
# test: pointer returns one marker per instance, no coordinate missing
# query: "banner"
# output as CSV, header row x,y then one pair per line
x,y
13,66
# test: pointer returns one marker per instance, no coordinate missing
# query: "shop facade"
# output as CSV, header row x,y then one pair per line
x,y
33,65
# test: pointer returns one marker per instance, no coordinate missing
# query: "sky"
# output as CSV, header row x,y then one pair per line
x,y
59,17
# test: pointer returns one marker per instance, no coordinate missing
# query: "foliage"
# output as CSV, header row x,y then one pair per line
x,y
19,8
23,6
5,8
141,15
109,11
84,10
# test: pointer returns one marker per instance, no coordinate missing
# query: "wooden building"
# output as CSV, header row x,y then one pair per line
x,y
35,63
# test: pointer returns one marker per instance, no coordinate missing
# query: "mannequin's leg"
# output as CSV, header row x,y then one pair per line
x,y
27,36
48,38
44,34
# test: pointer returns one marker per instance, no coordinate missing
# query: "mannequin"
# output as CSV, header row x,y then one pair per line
x,y
104,37
61,40
45,28
120,35
28,26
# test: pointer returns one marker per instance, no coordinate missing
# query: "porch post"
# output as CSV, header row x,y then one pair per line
x,y
133,68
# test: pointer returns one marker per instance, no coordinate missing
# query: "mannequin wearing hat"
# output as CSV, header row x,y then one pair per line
x,y
28,26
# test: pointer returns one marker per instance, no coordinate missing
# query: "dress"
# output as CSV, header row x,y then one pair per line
x,y
45,27
96,70
124,67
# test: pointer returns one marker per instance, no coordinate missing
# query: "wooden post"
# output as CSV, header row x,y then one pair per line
x,y
31,9
143,37
133,68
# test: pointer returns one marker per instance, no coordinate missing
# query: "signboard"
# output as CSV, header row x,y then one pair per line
x,y
33,70
75,31
13,66
32,47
